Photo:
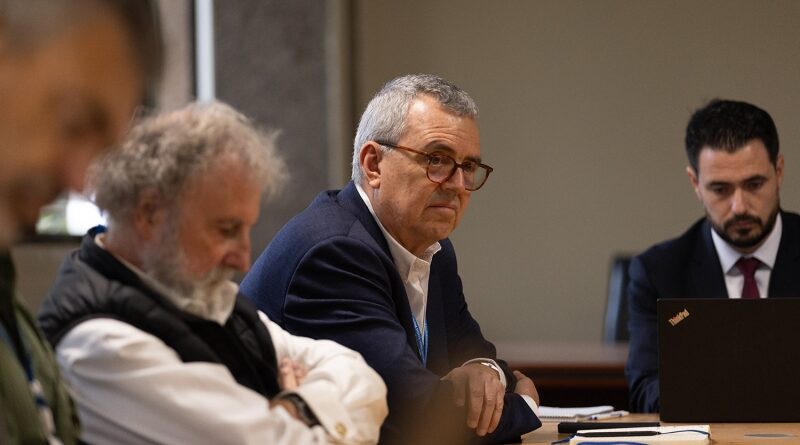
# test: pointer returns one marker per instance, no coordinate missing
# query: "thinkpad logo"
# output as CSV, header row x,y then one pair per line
x,y
678,317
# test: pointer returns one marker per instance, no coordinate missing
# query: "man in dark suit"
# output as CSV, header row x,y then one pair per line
x,y
745,247
370,266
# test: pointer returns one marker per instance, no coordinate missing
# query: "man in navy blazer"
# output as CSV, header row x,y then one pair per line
x,y
370,266
745,247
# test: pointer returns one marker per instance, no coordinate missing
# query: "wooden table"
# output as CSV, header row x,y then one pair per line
x,y
721,433
572,373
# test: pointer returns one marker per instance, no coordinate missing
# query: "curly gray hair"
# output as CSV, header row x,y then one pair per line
x,y
385,115
164,152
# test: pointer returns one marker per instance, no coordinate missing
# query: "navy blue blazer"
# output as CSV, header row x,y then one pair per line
x,y
329,274
688,267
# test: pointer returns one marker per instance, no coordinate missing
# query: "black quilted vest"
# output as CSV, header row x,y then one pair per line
x,y
93,284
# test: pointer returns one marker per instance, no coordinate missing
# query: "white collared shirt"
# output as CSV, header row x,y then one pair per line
x,y
415,272
122,378
766,253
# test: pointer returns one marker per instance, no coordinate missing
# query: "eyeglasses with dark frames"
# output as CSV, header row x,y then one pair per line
x,y
442,167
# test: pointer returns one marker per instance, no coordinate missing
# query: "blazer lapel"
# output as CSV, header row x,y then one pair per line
x,y
784,281
706,279
349,198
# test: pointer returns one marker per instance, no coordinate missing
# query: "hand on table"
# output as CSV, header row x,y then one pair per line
x,y
480,388
526,387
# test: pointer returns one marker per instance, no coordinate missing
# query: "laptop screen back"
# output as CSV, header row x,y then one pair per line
x,y
725,360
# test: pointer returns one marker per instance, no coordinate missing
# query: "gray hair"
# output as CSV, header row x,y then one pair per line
x,y
25,24
164,152
385,116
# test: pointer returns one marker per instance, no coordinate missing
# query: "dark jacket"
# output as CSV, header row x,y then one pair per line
x,y
329,274
688,267
22,341
93,284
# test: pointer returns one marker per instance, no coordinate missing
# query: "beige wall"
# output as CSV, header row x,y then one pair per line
x,y
583,107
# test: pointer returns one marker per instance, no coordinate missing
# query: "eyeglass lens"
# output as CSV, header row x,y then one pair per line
x,y
441,168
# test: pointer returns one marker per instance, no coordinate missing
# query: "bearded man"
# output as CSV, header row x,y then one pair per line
x,y
745,246
153,337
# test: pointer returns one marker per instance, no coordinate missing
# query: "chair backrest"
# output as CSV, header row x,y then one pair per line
x,y
615,328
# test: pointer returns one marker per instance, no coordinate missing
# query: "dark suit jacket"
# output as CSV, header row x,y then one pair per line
x,y
688,267
329,274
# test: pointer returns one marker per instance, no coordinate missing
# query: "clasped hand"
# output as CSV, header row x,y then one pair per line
x,y
291,376
480,388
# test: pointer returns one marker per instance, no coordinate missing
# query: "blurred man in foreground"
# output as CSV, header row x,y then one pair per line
x,y
71,74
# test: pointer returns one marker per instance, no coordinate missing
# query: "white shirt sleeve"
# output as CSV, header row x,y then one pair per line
x,y
345,394
131,388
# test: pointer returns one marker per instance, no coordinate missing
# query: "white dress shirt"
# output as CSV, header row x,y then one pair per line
x,y
416,272
131,388
766,253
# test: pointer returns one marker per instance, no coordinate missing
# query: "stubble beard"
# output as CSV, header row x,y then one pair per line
x,y
749,241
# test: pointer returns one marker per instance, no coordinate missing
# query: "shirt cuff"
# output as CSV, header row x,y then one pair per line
x,y
326,406
531,403
304,413
491,364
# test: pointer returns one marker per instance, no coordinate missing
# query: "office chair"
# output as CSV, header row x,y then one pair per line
x,y
615,328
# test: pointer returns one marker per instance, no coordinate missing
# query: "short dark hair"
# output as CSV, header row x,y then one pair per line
x,y
141,19
26,23
728,125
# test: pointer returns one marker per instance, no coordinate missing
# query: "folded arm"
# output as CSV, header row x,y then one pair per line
x,y
131,388
342,290
345,394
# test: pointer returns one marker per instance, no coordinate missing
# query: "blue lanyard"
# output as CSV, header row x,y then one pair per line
x,y
422,340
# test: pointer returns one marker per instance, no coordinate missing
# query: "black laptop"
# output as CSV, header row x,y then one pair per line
x,y
725,360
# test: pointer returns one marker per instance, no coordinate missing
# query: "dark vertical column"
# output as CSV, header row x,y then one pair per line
x,y
271,65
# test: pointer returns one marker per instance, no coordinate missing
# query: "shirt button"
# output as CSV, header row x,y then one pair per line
x,y
341,429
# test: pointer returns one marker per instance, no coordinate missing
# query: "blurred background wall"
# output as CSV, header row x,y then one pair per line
x,y
583,107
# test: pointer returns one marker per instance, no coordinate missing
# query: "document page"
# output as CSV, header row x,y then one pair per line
x,y
550,413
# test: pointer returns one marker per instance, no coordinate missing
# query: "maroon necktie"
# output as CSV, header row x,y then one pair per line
x,y
748,268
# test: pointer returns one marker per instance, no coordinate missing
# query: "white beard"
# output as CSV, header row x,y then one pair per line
x,y
210,297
